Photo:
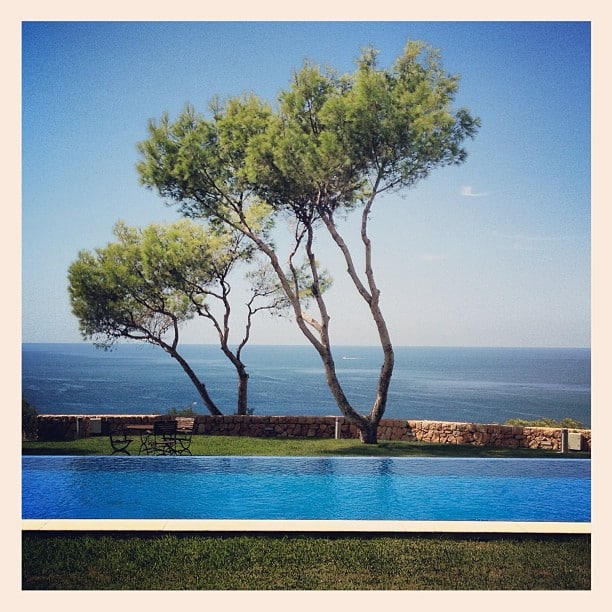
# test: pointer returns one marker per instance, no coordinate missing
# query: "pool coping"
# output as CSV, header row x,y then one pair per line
x,y
305,526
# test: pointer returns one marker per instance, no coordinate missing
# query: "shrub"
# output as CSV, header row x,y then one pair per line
x,y
567,423
188,411
28,421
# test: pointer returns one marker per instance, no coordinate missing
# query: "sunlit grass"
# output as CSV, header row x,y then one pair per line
x,y
241,562
306,447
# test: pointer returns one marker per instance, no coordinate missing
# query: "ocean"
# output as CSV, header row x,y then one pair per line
x,y
484,385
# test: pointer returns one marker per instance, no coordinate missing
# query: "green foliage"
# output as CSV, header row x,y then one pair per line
x,y
333,143
117,291
201,164
149,281
188,411
28,421
567,423
339,139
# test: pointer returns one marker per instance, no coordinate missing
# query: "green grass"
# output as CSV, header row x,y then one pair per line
x,y
313,447
304,562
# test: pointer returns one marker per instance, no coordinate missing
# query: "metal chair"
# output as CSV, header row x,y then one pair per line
x,y
163,440
120,441
186,427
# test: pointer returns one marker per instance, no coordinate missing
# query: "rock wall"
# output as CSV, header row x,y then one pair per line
x,y
71,427
506,436
61,427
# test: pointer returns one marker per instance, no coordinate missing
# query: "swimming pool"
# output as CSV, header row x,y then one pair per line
x,y
306,488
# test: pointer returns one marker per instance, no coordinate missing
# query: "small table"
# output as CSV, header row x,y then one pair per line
x,y
145,431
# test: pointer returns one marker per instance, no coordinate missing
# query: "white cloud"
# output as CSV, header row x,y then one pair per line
x,y
468,192
524,242
434,257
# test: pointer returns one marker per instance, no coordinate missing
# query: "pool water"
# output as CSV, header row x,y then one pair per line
x,y
347,488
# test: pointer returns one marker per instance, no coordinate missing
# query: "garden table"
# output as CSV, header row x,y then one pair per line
x,y
144,431
168,437
123,436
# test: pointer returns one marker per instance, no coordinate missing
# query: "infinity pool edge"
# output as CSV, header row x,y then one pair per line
x,y
248,525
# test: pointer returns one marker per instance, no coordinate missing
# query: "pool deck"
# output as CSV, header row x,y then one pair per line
x,y
305,526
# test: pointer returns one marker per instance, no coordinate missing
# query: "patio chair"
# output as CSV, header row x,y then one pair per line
x,y
163,440
186,427
120,440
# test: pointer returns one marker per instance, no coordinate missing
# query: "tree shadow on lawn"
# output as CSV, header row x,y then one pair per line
x,y
422,449
59,451
85,446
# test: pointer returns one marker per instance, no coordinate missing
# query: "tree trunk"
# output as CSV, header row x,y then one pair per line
x,y
368,425
243,378
368,432
243,385
199,385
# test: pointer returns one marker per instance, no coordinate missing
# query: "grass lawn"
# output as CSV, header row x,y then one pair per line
x,y
82,561
239,561
313,447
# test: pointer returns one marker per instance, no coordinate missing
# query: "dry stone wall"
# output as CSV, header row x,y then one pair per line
x,y
505,436
71,427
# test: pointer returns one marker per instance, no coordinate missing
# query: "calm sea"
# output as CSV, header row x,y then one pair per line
x,y
486,385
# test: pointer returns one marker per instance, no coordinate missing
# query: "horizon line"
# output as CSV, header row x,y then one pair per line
x,y
338,345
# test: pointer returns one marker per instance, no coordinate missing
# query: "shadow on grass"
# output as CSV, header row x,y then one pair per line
x,y
419,449
84,446
59,451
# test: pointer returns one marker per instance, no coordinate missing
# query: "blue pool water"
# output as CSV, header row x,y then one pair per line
x,y
441,489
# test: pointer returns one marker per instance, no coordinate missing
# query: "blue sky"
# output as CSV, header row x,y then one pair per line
x,y
495,252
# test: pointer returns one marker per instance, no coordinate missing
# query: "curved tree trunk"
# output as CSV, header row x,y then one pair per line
x,y
367,425
243,378
199,385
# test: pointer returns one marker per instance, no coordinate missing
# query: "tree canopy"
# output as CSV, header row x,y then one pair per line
x,y
148,283
332,144
132,289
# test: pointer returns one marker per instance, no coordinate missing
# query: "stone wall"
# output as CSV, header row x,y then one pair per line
x,y
71,427
494,435
62,427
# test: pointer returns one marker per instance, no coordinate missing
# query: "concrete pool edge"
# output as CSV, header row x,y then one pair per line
x,y
305,526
